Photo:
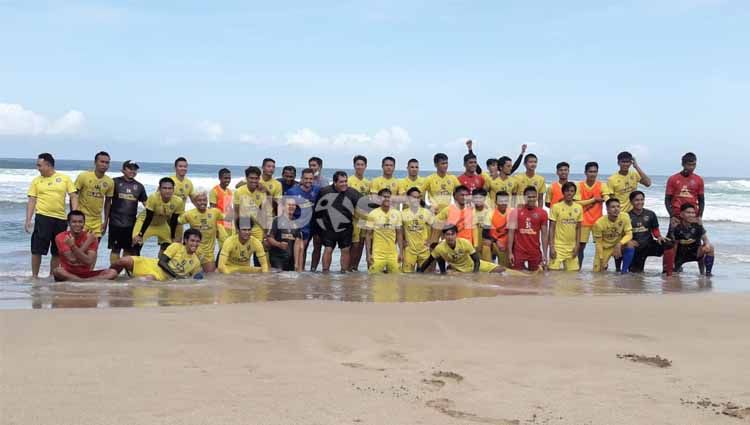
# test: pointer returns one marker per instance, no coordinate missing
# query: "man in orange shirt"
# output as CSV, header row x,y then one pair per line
x,y
591,193
554,192
221,197
459,214
495,231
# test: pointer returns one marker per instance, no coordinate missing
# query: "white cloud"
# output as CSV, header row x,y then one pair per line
x,y
249,139
394,138
15,120
211,130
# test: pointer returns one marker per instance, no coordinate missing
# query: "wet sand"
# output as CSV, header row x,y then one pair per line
x,y
501,360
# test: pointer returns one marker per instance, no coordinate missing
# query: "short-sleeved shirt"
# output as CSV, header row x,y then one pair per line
x,y
273,187
407,183
251,204
207,222
284,230
609,233
379,183
127,195
643,225
496,185
684,190
440,189
336,209
622,186
592,212
497,224
360,185
475,181
284,186
183,265
688,237
462,218
459,257
384,225
183,188
163,210
417,228
305,206
235,253
73,265
566,218
555,194
92,191
522,181
527,224
320,181
50,194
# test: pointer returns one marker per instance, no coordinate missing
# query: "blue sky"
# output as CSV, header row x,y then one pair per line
x,y
233,82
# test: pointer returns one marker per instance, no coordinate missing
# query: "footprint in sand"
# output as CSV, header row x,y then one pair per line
x,y
393,356
445,406
448,374
657,360
436,384
362,366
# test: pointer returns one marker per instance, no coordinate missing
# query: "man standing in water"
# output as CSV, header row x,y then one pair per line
x,y
554,191
209,222
685,187
334,214
565,230
626,180
529,179
288,178
220,198
460,214
416,222
46,204
384,236
316,164
77,248
127,194
160,217
95,191
440,185
591,193
359,183
471,178
412,179
285,239
306,195
527,237
183,187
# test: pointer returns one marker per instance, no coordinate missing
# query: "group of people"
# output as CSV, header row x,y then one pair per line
x,y
478,221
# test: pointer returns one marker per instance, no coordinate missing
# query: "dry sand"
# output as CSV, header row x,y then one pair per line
x,y
505,360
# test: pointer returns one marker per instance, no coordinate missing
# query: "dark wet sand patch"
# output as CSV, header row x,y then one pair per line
x,y
448,374
656,360
362,366
445,406
723,408
435,383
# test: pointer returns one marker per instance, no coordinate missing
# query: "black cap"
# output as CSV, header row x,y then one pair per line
x,y
130,164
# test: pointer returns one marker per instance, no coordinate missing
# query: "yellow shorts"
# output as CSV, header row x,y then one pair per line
x,y
93,226
601,258
206,253
585,234
486,266
144,267
231,269
385,264
413,260
161,231
565,263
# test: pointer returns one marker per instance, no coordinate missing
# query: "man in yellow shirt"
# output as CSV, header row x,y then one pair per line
x,y
416,222
208,221
412,179
386,181
46,204
459,254
565,230
384,236
626,180
270,185
160,217
440,185
612,232
239,248
95,192
359,183
183,187
500,180
252,203
178,261
529,178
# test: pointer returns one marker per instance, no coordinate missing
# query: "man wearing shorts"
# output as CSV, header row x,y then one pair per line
x,y
209,222
220,197
591,194
647,240
529,178
440,185
334,214
691,241
361,184
46,204
612,233
77,248
239,249
178,261
306,195
565,230
527,234
385,237
122,214
95,191
495,229
416,222
159,219
285,239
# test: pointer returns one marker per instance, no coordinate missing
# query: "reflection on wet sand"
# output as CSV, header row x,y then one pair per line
x,y
353,287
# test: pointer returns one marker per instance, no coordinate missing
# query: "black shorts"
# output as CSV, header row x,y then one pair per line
x,y
281,261
331,239
652,249
120,238
686,255
45,230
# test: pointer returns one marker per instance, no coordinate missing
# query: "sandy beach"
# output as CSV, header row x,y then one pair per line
x,y
503,360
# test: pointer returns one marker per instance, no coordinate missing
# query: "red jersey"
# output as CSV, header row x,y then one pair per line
x,y
526,240
472,182
684,190
74,266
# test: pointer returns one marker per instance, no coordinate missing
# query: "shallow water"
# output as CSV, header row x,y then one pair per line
x,y
352,287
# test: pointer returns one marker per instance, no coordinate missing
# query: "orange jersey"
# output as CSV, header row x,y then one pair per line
x,y
592,212
497,223
223,200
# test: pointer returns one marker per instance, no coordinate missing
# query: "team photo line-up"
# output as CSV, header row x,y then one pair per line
x,y
478,221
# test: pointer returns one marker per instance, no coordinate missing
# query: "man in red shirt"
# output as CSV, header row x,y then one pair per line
x,y
685,187
77,249
527,237
471,178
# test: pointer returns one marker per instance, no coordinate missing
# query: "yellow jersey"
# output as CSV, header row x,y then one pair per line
x,y
440,189
417,229
407,183
522,181
91,194
163,210
566,218
360,185
495,185
273,188
181,263
183,188
384,226
458,257
379,183
480,217
208,223
622,186
50,194
609,233
235,253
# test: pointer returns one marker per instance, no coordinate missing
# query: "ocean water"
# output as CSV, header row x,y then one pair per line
x,y
727,219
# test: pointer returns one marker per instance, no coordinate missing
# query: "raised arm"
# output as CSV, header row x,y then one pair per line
x,y
645,179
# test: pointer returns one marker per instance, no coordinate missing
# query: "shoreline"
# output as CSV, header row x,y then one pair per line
x,y
501,360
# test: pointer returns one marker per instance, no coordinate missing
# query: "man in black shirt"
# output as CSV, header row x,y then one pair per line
x,y
286,240
647,240
691,241
334,212
122,214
